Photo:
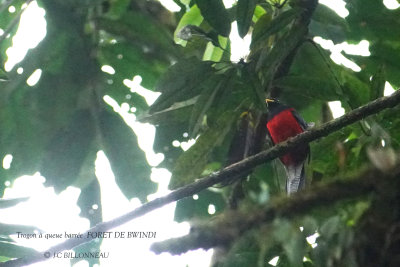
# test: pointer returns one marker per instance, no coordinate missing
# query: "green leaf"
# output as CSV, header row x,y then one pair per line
x,y
192,17
267,27
3,75
357,90
321,254
378,83
264,182
310,225
181,82
117,8
142,31
191,163
128,61
382,24
177,112
244,13
312,87
197,208
89,200
295,249
128,161
13,229
330,227
271,59
327,24
67,150
203,104
258,12
311,60
390,121
215,53
6,203
215,13
325,155
166,133
190,32
14,251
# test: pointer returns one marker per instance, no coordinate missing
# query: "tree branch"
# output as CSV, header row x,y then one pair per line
x,y
228,228
223,175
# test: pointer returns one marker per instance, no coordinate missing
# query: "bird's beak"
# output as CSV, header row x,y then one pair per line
x,y
269,100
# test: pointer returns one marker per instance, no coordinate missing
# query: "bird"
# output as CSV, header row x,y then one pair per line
x,y
282,123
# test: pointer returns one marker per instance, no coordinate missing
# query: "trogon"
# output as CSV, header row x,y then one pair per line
x,y
284,122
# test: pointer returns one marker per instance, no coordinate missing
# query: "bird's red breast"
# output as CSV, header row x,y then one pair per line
x,y
283,126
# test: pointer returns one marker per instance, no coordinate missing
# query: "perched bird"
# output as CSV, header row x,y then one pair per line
x,y
284,122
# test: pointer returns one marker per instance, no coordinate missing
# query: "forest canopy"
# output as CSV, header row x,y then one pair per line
x,y
91,49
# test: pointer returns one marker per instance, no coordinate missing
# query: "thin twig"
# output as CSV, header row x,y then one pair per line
x,y
223,175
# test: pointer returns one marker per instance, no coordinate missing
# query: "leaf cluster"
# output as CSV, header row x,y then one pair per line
x,y
59,124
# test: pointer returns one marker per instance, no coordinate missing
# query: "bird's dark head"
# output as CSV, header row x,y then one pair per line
x,y
272,103
274,106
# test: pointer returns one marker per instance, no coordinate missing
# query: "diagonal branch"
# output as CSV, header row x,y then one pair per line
x,y
222,175
224,230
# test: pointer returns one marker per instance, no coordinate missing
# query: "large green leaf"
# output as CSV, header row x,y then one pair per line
x,y
326,153
141,29
192,17
312,87
178,112
89,202
215,51
34,115
311,60
265,27
381,24
244,13
117,8
203,103
378,83
357,90
67,151
129,60
271,59
3,74
215,13
327,24
166,133
181,82
21,135
89,199
128,161
191,163
390,121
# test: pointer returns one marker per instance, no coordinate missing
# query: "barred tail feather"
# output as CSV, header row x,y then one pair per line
x,y
295,178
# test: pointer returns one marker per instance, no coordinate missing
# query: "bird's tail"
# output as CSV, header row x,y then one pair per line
x,y
296,178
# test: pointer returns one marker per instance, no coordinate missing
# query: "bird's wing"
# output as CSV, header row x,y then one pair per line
x,y
304,125
300,120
